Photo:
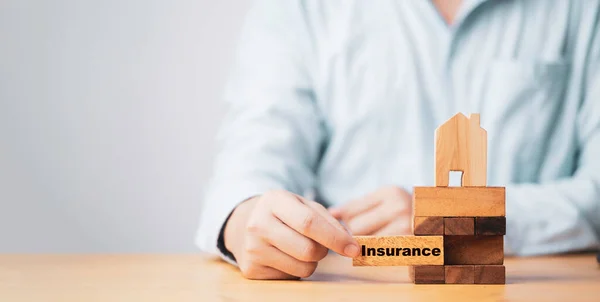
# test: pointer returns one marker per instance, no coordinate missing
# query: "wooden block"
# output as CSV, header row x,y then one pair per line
x,y
477,250
459,201
429,226
489,274
459,274
459,226
490,225
399,250
427,274
461,145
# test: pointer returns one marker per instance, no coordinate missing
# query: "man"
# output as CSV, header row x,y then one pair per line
x,y
343,97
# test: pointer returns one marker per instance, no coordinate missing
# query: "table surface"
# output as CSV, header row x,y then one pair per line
x,y
201,278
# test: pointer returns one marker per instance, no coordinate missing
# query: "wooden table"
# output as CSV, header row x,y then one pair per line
x,y
200,278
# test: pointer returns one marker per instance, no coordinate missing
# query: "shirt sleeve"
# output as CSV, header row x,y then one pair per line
x,y
564,215
273,132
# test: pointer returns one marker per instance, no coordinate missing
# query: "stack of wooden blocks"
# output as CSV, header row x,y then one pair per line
x,y
471,218
458,231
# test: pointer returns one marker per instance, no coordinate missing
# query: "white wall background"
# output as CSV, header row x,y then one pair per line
x,y
108,112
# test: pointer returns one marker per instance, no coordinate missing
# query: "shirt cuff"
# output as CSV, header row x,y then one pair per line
x,y
224,252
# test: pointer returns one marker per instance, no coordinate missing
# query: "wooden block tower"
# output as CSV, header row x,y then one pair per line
x,y
471,218
458,231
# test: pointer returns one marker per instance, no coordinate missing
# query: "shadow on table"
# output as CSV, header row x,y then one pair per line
x,y
345,278
541,278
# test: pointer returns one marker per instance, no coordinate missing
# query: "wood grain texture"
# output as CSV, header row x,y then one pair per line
x,y
489,274
459,274
490,225
475,250
203,277
391,243
427,274
459,226
459,201
424,226
461,145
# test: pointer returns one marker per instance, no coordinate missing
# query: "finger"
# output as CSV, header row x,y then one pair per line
x,y
255,261
372,200
397,227
293,243
262,272
355,207
306,221
323,212
370,222
276,259
336,212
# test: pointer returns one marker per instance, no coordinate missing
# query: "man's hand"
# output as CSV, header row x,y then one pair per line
x,y
280,235
386,211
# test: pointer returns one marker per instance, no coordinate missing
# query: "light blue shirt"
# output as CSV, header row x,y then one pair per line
x,y
342,97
